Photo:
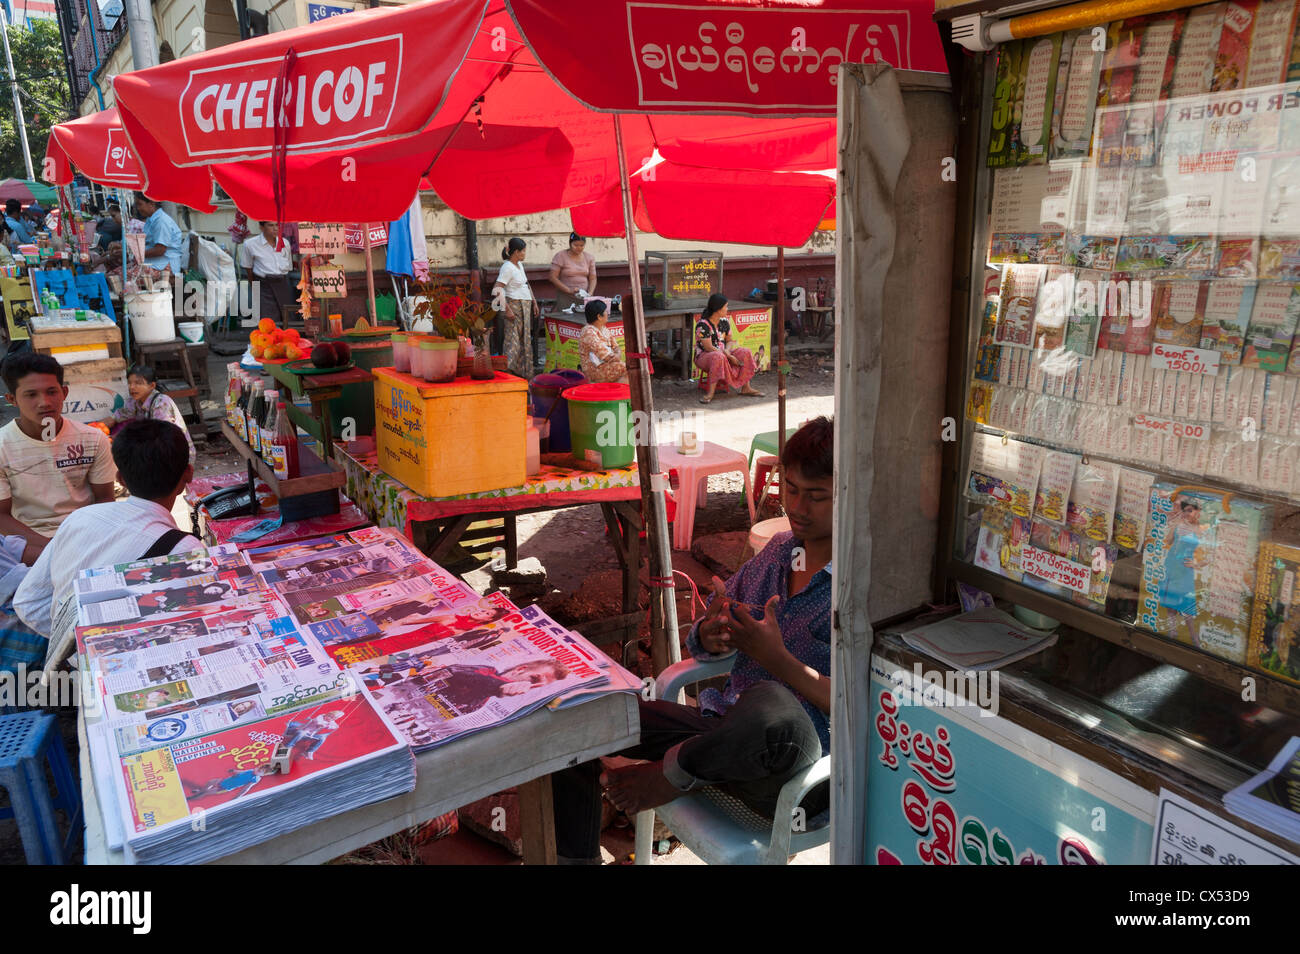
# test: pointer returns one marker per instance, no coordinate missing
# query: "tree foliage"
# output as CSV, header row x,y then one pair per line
x,y
43,87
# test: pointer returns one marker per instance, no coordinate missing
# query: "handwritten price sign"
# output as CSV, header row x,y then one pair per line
x,y
1055,569
316,238
1192,360
1165,425
327,281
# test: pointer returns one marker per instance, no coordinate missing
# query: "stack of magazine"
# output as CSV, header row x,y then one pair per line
x,y
349,651
1272,798
440,661
196,676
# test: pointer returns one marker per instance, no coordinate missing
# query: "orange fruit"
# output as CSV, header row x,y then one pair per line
x,y
292,352
257,352
266,326
275,351
291,334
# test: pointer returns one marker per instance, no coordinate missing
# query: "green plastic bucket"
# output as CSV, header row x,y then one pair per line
x,y
600,423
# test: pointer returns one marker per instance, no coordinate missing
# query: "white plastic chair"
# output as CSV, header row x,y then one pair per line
x,y
718,827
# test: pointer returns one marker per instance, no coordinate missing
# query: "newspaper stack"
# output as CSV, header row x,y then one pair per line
x,y
196,676
1272,798
440,661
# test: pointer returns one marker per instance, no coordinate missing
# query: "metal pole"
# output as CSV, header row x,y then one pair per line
x,y
144,42
19,119
370,274
647,454
780,352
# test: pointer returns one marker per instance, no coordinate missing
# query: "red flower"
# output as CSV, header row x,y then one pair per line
x,y
449,308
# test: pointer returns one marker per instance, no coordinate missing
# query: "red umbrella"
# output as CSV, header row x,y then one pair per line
x,y
450,94
97,146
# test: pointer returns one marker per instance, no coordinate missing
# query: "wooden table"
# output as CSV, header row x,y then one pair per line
x,y
521,753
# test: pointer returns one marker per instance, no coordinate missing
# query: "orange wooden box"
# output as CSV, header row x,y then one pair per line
x,y
462,437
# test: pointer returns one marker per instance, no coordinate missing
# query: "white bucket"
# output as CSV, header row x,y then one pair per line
x,y
151,316
763,531
191,331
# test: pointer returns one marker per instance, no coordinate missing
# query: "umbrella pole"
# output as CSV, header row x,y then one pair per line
x,y
370,274
665,640
780,352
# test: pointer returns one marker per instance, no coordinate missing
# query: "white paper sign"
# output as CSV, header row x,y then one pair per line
x,y
1055,569
1187,834
1192,360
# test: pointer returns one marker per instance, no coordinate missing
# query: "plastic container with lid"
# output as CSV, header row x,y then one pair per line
x,y
439,357
600,423
533,448
401,356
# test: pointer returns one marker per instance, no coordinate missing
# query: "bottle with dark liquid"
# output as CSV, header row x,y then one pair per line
x,y
271,397
255,411
241,408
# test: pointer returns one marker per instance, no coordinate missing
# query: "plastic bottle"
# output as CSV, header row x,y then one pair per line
x,y
232,392
284,445
272,397
255,410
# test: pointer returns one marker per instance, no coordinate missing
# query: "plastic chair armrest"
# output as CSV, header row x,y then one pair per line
x,y
679,675
791,794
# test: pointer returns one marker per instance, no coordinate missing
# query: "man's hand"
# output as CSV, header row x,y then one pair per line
x,y
760,639
715,631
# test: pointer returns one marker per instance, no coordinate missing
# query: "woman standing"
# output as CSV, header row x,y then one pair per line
x,y
716,354
573,271
512,282
597,351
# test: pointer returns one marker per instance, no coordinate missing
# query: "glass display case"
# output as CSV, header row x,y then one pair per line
x,y
1130,450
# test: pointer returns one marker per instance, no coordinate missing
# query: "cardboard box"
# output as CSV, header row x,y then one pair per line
x,y
441,440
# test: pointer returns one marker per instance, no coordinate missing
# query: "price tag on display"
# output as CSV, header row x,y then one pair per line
x,y
1165,425
1055,569
1191,360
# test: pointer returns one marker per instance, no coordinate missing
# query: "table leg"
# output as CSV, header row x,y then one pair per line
x,y
537,821
512,542
441,541
688,345
749,496
321,410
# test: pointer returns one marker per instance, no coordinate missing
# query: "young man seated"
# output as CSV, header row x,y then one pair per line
x,y
49,466
771,719
153,459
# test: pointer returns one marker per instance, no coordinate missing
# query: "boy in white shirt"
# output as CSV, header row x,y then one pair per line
x,y
153,459
49,466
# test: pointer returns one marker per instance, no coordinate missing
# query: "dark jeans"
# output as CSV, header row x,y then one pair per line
x,y
273,295
762,742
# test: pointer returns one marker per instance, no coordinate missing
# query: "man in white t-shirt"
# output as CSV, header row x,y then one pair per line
x,y
269,267
49,466
153,459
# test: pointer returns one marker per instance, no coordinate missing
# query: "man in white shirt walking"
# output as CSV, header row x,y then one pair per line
x,y
270,268
153,461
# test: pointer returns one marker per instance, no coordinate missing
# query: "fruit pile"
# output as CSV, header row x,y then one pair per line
x,y
270,342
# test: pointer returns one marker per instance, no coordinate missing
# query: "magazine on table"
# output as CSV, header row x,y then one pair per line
x,y
221,562
983,638
1271,799
620,679
197,799
449,688
470,621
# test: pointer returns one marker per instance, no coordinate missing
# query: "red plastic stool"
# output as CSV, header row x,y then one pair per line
x,y
723,387
767,481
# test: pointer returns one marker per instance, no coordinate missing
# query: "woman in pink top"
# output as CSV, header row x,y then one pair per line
x,y
572,271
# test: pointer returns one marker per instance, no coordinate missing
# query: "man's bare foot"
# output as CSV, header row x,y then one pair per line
x,y
638,788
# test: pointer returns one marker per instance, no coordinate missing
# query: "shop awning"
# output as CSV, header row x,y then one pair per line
x,y
450,94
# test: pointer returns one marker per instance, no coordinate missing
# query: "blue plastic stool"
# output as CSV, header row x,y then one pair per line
x,y
27,741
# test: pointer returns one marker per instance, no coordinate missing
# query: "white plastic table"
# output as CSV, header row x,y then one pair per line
x,y
521,753
694,472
